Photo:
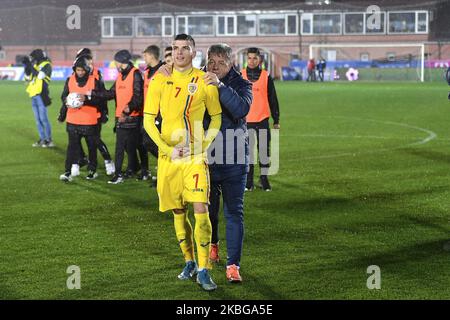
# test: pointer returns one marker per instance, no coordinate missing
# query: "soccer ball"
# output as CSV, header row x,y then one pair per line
x,y
73,100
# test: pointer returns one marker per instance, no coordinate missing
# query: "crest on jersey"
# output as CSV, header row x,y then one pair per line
x,y
192,88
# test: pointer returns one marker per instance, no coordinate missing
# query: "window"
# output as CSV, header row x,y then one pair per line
x,y
148,26
106,27
117,27
371,27
327,23
246,25
123,26
226,25
181,24
306,23
201,25
167,26
402,22
272,24
422,22
292,24
354,23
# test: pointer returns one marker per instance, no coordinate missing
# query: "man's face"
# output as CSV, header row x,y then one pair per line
x,y
183,53
253,60
80,72
219,65
147,58
121,66
169,60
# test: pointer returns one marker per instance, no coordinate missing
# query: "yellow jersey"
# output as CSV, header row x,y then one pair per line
x,y
182,100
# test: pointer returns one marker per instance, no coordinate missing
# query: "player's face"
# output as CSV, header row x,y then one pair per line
x,y
253,60
147,57
80,72
219,65
121,66
183,53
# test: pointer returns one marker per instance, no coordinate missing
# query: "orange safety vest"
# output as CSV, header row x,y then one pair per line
x,y
147,81
260,109
86,115
124,92
95,73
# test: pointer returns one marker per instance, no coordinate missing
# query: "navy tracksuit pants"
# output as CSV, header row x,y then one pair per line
x,y
231,186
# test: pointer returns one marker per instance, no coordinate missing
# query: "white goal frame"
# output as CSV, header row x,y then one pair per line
x,y
421,46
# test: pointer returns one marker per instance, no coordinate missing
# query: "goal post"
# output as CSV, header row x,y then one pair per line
x,y
384,56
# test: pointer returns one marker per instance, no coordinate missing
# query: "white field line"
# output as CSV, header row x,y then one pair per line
x,y
430,136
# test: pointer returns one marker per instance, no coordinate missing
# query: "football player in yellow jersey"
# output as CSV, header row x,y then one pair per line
x,y
183,176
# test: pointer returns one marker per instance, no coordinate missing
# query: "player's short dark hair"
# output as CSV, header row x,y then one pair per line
x,y
184,36
221,49
153,50
169,48
254,50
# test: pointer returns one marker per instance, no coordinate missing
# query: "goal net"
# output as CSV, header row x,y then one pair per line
x,y
372,62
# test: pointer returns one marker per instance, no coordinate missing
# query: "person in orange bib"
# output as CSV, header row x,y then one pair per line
x,y
81,120
128,94
102,116
265,103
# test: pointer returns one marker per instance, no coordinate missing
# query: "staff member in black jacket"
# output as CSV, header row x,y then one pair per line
x,y
127,91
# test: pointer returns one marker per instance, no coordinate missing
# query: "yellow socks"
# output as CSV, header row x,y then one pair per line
x,y
202,233
183,230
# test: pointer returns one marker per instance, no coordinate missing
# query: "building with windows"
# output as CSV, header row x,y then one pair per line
x,y
282,29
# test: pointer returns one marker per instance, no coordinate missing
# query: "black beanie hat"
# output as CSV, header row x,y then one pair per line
x,y
81,62
37,54
123,56
84,52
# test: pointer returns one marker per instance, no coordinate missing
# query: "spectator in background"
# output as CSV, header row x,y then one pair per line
x,y
321,65
311,67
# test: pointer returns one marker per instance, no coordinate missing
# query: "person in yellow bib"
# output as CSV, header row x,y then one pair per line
x,y
38,72
183,177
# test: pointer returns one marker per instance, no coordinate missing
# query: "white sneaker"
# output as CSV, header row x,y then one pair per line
x,y
110,168
65,177
75,170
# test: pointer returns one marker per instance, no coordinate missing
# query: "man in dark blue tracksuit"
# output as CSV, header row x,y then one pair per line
x,y
228,156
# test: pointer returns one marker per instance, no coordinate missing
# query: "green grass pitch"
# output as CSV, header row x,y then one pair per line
x,y
364,179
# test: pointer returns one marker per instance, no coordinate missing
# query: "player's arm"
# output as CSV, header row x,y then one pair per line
x,y
104,93
215,112
63,110
273,102
151,110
